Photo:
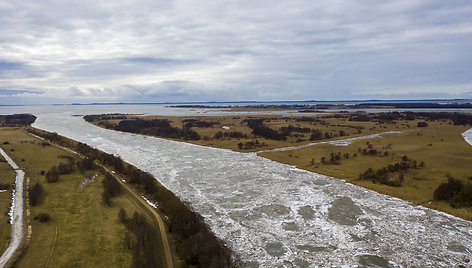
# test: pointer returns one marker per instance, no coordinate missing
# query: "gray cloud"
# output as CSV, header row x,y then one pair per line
x,y
188,50
13,92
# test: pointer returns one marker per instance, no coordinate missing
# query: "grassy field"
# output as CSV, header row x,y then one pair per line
x,y
226,124
440,146
82,231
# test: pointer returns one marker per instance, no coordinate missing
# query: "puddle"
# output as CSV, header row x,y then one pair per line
x,y
456,247
374,261
290,226
275,249
273,209
306,212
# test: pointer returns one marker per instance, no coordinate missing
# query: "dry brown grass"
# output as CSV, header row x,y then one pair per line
x,y
276,122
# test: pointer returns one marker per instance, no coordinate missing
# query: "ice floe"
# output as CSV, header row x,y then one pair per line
x,y
468,136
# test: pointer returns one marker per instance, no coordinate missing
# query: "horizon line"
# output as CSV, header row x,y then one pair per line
x,y
209,102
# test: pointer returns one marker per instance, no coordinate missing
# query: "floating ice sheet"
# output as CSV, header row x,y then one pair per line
x,y
468,136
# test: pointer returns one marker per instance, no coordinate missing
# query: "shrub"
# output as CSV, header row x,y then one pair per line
x,y
464,197
35,194
42,217
52,175
64,168
111,188
446,191
122,217
316,135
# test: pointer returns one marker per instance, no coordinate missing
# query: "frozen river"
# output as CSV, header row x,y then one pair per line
x,y
275,215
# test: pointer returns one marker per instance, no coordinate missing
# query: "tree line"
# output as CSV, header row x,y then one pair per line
x,y
142,239
230,134
52,175
188,123
455,118
155,127
384,175
259,129
250,145
97,117
111,188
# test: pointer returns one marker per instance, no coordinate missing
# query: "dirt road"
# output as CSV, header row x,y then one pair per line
x,y
17,222
162,229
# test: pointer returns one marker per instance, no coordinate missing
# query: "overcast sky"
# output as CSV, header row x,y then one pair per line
x,y
170,51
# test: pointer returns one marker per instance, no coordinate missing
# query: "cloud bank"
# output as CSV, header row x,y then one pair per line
x,y
184,50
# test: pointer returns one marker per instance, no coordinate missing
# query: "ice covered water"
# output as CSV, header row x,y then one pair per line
x,y
468,136
275,215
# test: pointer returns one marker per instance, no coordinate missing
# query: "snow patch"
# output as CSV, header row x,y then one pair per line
x,y
12,208
149,202
468,136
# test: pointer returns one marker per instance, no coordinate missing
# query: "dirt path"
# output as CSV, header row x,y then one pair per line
x,y
340,142
160,222
17,224
162,229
